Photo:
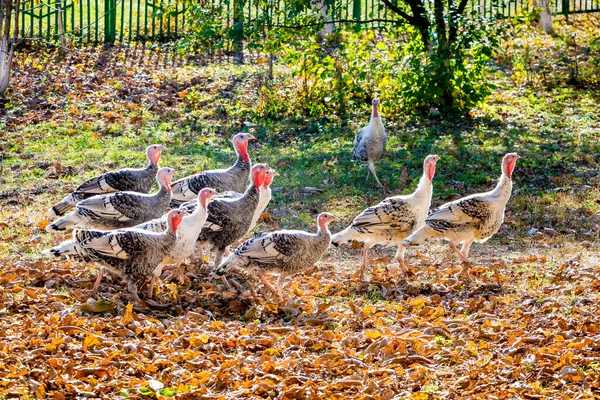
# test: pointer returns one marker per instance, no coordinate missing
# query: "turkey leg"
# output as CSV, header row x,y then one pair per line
x,y
94,290
372,169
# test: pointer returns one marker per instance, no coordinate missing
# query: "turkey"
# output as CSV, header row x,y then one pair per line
x,y
393,219
235,178
130,253
119,210
264,197
229,219
188,231
135,180
284,253
370,143
473,218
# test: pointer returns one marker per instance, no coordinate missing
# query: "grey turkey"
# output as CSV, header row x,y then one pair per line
x,y
229,218
234,178
264,198
370,142
474,218
393,219
119,210
130,253
129,179
283,253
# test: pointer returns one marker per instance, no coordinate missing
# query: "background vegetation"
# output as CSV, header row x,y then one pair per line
x,y
530,331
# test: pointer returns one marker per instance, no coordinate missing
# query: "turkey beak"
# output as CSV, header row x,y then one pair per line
x,y
251,137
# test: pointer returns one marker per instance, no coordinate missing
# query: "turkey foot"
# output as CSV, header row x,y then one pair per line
x,y
176,269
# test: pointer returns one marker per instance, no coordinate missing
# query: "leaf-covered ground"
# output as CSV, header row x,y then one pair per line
x,y
529,327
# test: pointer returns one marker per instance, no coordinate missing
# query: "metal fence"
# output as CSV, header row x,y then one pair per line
x,y
119,21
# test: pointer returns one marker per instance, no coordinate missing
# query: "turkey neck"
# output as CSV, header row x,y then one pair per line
x,y
241,164
503,189
425,188
376,125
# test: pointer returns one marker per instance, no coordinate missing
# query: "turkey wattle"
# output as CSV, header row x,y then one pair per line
x,y
392,220
370,142
234,178
283,253
473,218
119,210
136,180
131,253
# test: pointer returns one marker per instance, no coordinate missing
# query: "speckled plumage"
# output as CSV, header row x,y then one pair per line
x,y
473,218
130,253
118,210
229,218
370,142
128,179
234,178
393,219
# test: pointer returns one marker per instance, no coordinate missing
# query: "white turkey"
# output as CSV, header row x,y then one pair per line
x,y
130,253
129,179
283,253
473,218
234,178
393,219
229,219
119,210
188,231
370,142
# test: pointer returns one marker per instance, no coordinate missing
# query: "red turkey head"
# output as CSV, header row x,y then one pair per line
x,y
375,103
258,173
324,219
205,195
174,219
508,164
269,175
429,166
240,144
163,177
153,153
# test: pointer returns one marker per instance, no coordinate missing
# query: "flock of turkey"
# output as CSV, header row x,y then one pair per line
x,y
126,231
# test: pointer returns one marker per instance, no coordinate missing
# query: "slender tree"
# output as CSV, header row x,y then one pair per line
x,y
9,13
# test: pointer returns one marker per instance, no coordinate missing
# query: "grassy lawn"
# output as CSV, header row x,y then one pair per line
x,y
531,331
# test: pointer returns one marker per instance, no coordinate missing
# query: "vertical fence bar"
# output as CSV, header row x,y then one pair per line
x,y
565,8
130,21
176,19
121,21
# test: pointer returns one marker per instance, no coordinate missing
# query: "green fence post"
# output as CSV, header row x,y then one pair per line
x,y
356,13
565,8
110,19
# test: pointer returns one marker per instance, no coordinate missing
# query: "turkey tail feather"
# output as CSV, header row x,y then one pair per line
x,y
344,236
419,237
64,249
62,224
61,208
230,262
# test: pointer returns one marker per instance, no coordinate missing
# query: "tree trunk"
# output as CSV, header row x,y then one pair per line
x,y
8,12
321,7
546,17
